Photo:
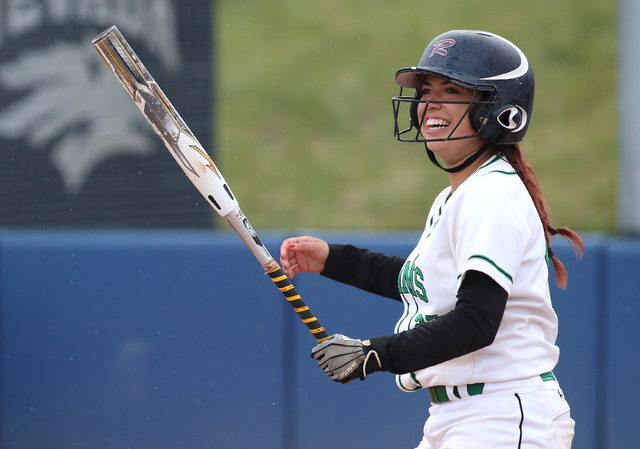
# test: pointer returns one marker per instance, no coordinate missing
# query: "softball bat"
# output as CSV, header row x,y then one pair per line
x,y
193,159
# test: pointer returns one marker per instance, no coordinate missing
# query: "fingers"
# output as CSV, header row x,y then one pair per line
x,y
303,255
288,247
292,271
319,350
340,357
287,257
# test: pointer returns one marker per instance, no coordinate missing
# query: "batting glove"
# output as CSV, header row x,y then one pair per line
x,y
343,359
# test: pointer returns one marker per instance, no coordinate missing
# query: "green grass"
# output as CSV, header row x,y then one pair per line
x,y
304,126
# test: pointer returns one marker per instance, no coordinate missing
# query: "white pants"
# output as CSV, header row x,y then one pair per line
x,y
522,414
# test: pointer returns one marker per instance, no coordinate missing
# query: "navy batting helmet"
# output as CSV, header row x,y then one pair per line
x,y
497,71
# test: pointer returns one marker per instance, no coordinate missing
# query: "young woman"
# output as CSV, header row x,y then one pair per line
x,y
478,330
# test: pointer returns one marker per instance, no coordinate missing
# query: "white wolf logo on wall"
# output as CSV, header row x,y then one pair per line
x,y
64,103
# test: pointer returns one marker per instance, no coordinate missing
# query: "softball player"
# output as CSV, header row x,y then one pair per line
x,y
478,330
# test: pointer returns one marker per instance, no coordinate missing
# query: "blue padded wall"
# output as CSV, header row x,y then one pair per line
x,y
620,405
138,340
177,339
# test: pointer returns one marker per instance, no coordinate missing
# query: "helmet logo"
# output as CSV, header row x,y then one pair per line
x,y
513,118
440,47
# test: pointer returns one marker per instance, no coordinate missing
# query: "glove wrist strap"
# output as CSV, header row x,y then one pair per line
x,y
366,361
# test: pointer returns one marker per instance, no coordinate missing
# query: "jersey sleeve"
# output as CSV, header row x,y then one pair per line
x,y
370,271
492,229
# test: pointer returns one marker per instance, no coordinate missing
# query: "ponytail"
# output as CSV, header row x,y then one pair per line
x,y
516,158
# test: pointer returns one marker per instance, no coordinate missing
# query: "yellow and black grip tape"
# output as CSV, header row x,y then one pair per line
x,y
289,291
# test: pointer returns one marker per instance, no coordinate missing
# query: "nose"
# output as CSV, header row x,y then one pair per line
x,y
428,105
432,105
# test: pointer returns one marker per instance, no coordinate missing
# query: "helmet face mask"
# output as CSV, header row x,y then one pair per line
x,y
477,110
494,68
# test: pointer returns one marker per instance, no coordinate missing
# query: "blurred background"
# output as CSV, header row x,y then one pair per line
x,y
304,107
131,316
293,100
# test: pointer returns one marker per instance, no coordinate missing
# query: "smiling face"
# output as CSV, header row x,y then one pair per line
x,y
444,115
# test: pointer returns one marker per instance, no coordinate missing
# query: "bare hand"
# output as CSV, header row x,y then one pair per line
x,y
303,255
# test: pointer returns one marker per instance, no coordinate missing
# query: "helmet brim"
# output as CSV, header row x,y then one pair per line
x,y
409,77
412,77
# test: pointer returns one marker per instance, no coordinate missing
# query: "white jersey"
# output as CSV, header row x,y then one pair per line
x,y
488,224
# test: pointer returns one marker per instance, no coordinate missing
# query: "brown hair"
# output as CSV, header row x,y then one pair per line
x,y
516,158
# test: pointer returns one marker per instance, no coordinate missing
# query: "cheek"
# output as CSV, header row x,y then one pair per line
x,y
465,124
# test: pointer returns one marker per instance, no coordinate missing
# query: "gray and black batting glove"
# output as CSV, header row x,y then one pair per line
x,y
343,359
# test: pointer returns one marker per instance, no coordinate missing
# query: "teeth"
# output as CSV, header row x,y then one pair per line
x,y
437,123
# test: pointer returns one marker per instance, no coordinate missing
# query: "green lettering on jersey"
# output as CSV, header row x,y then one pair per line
x,y
424,319
419,289
403,284
410,280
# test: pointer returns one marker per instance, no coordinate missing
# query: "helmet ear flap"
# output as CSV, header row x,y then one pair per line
x,y
479,112
413,110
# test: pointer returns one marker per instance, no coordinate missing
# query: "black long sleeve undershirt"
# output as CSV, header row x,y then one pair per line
x,y
367,270
471,325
